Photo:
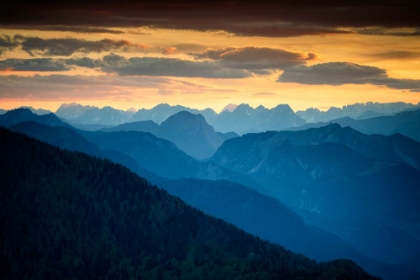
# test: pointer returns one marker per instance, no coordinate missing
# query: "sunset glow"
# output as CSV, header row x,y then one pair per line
x,y
201,55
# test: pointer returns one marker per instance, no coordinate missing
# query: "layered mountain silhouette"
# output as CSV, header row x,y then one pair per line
x,y
355,111
406,123
336,173
66,214
24,114
271,220
346,184
189,132
162,157
240,119
313,242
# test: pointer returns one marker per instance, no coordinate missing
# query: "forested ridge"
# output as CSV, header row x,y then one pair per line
x,y
67,215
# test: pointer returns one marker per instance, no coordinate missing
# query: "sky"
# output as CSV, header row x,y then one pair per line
x,y
137,54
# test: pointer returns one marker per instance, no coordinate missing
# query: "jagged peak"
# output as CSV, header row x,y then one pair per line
x,y
230,107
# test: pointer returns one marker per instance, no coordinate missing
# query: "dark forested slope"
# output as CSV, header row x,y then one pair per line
x,y
67,215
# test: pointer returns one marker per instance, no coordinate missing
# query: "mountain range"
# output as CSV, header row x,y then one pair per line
x,y
356,111
239,119
335,174
189,132
69,215
406,123
329,169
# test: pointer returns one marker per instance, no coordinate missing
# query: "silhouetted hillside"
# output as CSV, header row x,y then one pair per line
x,y
21,115
336,173
67,215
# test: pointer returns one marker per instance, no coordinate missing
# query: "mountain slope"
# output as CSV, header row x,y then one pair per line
x,y
145,126
373,146
336,173
406,123
241,200
16,116
191,134
161,156
269,219
68,215
69,139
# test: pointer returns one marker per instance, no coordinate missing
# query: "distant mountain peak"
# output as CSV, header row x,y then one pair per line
x,y
230,107
74,104
191,134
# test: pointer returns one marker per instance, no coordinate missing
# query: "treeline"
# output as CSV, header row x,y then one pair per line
x,y
66,215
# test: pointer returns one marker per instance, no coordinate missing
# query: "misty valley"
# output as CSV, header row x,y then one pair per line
x,y
179,193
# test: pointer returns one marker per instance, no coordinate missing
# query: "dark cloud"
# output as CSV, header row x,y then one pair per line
x,y
37,64
388,32
134,66
64,28
333,73
83,62
252,58
68,46
339,73
6,44
153,66
246,18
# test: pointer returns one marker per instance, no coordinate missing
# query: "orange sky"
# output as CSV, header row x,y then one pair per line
x,y
44,66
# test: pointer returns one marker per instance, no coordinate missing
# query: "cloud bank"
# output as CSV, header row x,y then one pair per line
x,y
66,46
339,73
243,18
253,58
36,64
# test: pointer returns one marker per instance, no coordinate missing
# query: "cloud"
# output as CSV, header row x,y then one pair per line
x,y
244,18
138,32
134,66
83,62
64,28
37,64
380,31
333,73
153,66
6,44
339,73
68,46
57,87
253,58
